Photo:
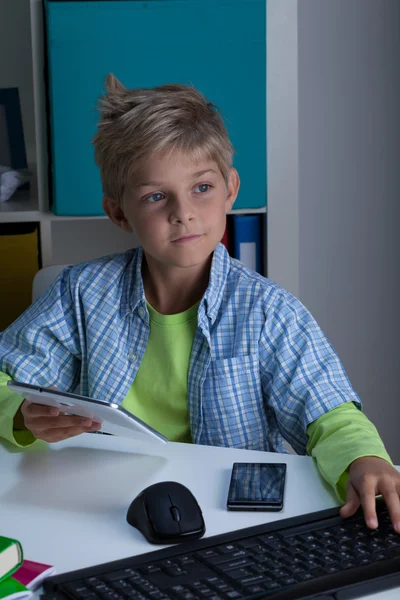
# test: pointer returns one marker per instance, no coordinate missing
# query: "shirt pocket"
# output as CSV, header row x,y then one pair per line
x,y
233,405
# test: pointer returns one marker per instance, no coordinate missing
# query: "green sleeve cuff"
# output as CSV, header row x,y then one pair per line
x,y
339,437
9,405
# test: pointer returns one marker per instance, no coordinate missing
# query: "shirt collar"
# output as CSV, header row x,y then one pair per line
x,y
133,289
218,274
133,292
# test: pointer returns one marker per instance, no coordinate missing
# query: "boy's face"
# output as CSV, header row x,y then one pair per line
x,y
177,208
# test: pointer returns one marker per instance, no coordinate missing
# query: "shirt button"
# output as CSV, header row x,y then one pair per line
x,y
142,312
132,357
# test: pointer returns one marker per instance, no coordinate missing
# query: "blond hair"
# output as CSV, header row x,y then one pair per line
x,y
136,123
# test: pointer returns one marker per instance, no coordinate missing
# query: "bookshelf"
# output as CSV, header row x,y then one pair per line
x,y
92,235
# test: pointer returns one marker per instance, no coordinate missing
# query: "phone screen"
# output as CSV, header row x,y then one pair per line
x,y
257,486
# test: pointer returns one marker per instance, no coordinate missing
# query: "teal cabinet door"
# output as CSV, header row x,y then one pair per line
x,y
219,46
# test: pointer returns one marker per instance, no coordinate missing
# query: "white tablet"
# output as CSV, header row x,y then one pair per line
x,y
113,418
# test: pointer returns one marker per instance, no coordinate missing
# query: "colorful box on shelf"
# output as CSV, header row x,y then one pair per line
x,y
220,48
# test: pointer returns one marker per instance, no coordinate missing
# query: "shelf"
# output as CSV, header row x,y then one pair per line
x,y
249,211
49,216
22,207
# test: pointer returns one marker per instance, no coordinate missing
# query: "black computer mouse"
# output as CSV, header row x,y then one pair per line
x,y
166,513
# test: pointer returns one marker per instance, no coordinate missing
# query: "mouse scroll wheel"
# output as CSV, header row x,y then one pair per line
x,y
176,515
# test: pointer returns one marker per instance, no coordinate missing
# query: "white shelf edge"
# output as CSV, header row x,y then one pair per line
x,y
13,216
49,216
22,216
248,211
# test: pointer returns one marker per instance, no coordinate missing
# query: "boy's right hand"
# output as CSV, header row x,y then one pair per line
x,y
49,424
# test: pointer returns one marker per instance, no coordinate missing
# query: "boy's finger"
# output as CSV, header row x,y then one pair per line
x,y
57,435
60,422
391,497
38,410
368,502
352,502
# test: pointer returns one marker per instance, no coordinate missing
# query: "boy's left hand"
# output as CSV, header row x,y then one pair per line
x,y
370,476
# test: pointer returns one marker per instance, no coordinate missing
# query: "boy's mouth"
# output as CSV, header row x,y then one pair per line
x,y
187,238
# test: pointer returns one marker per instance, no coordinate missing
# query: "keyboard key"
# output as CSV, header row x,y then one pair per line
x,y
168,563
123,574
236,564
203,591
250,579
309,537
306,576
254,589
121,586
272,587
186,560
176,571
363,561
92,581
349,564
248,543
149,569
109,595
206,553
226,548
218,559
280,573
239,573
183,593
79,589
333,568
221,586
258,549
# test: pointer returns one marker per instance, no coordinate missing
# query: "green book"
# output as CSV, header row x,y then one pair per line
x,y
13,590
11,557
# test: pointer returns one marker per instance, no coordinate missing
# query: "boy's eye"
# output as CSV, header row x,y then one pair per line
x,y
202,188
155,197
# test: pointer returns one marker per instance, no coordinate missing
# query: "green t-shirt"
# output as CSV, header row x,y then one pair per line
x,y
158,395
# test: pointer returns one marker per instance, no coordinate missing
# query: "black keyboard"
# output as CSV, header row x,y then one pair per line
x,y
319,556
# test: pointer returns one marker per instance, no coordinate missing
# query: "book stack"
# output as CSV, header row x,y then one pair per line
x,y
19,578
244,239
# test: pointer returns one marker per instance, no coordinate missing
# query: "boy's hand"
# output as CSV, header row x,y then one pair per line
x,y
49,424
369,477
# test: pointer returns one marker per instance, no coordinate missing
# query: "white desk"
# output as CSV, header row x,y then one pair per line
x,y
67,502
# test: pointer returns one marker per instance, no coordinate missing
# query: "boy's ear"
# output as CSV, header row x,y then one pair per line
x,y
115,213
233,188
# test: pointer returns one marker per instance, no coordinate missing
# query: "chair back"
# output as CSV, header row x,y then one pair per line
x,y
44,278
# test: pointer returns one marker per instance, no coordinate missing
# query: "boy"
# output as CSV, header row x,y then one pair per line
x,y
188,339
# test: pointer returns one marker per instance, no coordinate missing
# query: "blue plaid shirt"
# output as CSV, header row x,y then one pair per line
x,y
260,370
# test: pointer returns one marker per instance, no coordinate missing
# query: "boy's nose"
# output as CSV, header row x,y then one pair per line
x,y
181,211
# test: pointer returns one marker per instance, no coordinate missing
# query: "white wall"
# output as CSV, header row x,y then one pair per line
x,y
16,62
348,195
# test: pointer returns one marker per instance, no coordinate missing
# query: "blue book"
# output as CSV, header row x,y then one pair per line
x,y
247,240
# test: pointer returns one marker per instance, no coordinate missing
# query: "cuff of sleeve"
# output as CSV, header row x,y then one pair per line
x,y
340,437
9,405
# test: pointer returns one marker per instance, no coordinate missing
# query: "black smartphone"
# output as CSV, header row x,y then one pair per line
x,y
257,486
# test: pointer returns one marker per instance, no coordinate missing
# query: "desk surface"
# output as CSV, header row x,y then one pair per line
x,y
67,502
